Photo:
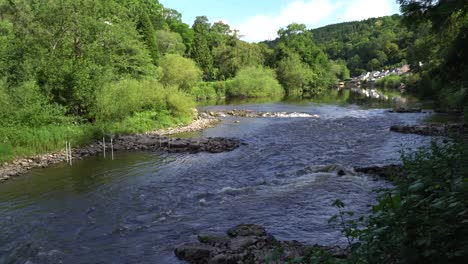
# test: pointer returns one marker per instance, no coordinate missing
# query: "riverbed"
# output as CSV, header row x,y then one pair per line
x,y
140,206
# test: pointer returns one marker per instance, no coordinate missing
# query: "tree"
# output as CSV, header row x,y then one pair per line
x,y
170,42
147,30
254,81
179,71
201,52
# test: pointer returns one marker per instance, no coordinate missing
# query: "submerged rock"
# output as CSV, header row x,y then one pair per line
x,y
434,129
387,171
406,110
247,243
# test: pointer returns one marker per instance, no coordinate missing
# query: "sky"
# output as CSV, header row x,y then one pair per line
x,y
259,20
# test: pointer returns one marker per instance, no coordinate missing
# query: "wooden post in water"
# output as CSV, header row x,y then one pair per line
x,y
70,152
112,148
66,151
169,143
104,145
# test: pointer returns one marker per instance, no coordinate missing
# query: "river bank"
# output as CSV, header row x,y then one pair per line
x,y
152,140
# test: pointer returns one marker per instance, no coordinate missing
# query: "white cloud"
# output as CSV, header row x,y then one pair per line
x,y
363,9
313,13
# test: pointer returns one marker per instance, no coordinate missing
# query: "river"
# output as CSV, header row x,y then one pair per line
x,y
139,207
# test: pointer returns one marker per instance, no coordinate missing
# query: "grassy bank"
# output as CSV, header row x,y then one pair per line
x,y
33,126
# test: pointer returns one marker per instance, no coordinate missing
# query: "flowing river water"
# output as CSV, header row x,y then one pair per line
x,y
139,207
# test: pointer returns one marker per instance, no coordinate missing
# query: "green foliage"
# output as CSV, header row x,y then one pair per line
x,y
209,90
201,52
391,81
294,75
25,105
179,71
149,34
27,141
254,81
439,53
116,101
366,45
302,66
421,220
170,43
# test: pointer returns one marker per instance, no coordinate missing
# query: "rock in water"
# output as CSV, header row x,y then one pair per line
x,y
246,243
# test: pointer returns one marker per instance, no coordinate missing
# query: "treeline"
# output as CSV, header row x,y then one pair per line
x,y
82,69
430,36
296,62
366,45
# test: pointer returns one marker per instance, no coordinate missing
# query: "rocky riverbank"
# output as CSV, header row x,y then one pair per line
x,y
434,129
255,114
151,141
248,243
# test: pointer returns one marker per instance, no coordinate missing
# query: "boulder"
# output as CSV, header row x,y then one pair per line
x,y
247,230
195,253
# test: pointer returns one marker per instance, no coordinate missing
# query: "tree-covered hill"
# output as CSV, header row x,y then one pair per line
x,y
366,45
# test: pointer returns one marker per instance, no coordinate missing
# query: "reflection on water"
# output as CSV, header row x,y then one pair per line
x,y
365,98
137,208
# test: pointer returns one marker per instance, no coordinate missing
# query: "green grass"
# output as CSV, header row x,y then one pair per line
x,y
22,141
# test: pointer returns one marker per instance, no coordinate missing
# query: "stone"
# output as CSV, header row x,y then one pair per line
x,y
383,171
406,110
247,230
215,240
242,242
195,253
224,259
246,243
432,129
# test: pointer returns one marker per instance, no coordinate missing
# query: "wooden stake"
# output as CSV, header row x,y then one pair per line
x,y
66,151
104,145
112,148
70,151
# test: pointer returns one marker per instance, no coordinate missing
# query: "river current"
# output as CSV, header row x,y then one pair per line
x,y
139,207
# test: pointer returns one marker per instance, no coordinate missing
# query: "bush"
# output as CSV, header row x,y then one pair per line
x,y
179,71
254,81
423,219
132,106
209,90
25,105
390,82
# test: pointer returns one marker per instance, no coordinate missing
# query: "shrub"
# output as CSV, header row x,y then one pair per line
x,y
209,90
179,71
254,81
423,219
116,101
391,81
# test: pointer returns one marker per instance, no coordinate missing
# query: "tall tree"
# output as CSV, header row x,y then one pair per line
x,y
201,52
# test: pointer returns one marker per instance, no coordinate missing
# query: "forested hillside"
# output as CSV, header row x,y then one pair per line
x,y
366,45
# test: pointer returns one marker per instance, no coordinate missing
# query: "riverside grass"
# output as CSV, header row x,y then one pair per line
x,y
33,126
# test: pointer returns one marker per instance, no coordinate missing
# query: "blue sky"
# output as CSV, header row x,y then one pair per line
x,y
259,20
